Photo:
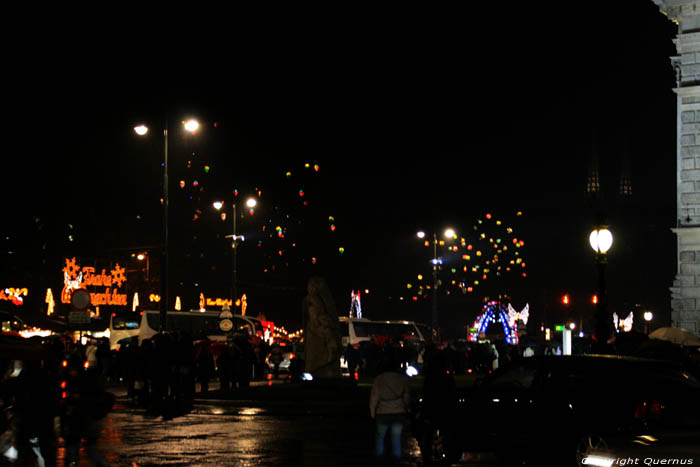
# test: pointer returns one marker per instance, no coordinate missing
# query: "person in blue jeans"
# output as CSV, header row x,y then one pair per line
x,y
389,404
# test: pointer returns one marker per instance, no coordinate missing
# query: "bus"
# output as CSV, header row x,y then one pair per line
x,y
356,330
198,324
122,328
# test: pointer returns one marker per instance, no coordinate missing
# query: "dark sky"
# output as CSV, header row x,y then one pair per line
x,y
417,119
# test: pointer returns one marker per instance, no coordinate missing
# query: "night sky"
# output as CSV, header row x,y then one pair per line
x,y
417,119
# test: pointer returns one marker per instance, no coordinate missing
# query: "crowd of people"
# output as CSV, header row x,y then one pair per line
x,y
162,373
49,390
462,357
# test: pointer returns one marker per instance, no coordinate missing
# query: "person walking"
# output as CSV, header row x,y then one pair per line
x,y
389,404
205,365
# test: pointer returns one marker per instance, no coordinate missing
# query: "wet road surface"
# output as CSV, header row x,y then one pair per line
x,y
276,431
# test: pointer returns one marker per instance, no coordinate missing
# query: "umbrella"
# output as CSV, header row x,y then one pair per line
x,y
676,335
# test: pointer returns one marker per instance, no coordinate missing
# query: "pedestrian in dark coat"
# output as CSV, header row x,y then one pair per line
x,y
205,365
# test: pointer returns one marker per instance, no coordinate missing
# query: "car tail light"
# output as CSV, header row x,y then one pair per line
x,y
651,409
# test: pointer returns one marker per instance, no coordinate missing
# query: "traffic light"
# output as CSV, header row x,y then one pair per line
x,y
594,300
565,299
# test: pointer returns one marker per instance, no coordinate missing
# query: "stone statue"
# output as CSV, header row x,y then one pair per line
x,y
322,345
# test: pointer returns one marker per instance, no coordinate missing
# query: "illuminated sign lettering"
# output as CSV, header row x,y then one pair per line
x,y
75,277
218,302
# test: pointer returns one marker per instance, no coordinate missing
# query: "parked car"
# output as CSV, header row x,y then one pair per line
x,y
559,410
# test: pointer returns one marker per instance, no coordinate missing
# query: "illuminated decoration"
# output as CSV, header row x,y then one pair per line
x,y
488,252
495,312
75,277
316,167
514,316
624,325
178,304
206,169
135,302
182,184
33,332
202,303
289,174
355,305
244,304
301,192
219,302
341,250
154,298
565,299
14,295
50,302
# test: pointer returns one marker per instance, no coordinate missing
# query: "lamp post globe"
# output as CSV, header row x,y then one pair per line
x,y
601,240
191,125
141,130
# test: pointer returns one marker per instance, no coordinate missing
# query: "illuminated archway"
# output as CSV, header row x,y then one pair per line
x,y
496,312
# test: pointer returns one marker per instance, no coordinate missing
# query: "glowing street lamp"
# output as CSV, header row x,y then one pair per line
x,y
601,240
449,235
218,205
145,256
191,125
142,130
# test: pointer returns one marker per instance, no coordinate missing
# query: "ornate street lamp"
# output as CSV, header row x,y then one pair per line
x,y
141,130
449,234
601,240
250,204
648,316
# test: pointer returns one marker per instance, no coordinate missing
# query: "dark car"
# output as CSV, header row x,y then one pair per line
x,y
559,410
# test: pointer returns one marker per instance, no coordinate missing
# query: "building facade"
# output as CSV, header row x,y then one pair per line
x,y
685,292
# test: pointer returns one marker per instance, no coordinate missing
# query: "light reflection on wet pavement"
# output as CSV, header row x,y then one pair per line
x,y
243,433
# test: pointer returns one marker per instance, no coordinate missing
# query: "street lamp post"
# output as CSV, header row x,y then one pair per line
x,y
435,322
648,316
601,240
141,130
146,256
250,203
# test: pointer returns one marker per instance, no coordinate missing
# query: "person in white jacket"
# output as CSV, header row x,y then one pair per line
x,y
389,404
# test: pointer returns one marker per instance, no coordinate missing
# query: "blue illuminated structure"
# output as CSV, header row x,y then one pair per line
x,y
496,312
